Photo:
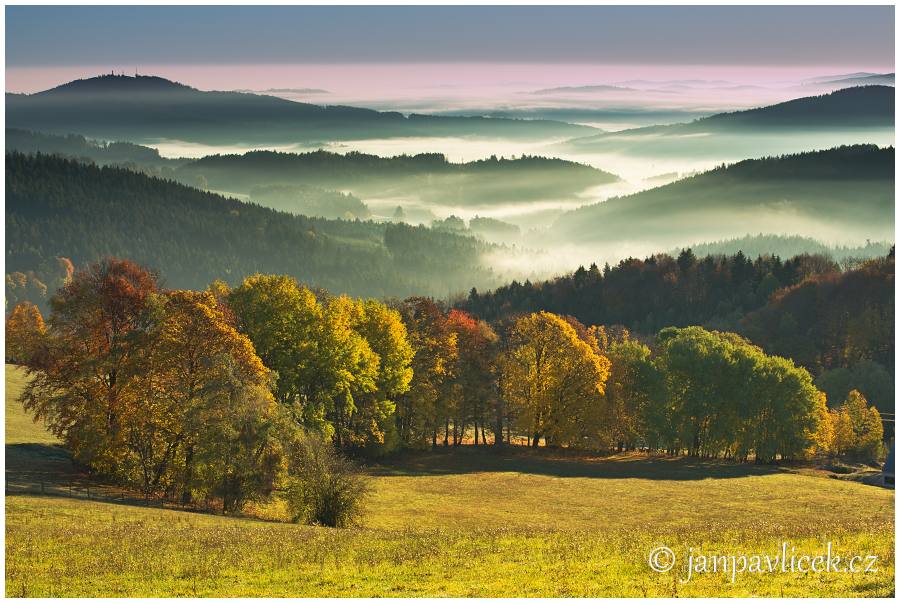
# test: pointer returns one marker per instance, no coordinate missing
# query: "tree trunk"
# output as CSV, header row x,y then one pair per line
x,y
188,475
498,422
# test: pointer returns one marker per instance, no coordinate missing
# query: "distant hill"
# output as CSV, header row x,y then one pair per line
x,y
786,246
77,146
843,193
583,89
856,107
859,109
853,79
428,177
142,108
57,207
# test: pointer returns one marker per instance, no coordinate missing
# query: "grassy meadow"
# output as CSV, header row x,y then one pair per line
x,y
467,522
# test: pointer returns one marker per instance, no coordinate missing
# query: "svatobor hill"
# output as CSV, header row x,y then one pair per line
x,y
147,107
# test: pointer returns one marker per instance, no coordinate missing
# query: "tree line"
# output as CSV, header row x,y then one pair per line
x,y
838,324
219,393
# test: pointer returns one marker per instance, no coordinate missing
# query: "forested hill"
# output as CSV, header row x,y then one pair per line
x,y
789,245
855,107
57,207
146,107
841,193
77,146
429,176
848,108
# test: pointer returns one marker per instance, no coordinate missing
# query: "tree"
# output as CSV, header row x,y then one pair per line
x,y
695,364
157,389
81,386
205,422
323,487
384,331
424,409
284,320
345,372
24,331
725,397
858,431
633,393
553,379
823,438
475,376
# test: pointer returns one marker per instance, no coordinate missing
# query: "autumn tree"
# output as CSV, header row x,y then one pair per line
x,y
475,377
24,331
385,333
204,423
553,378
858,430
424,410
345,371
823,438
82,386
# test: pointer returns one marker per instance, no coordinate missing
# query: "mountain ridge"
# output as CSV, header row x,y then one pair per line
x,y
143,108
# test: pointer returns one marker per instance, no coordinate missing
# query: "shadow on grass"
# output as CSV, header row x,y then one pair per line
x,y
48,470
562,463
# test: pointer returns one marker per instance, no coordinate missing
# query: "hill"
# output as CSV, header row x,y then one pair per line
x,y
869,106
79,147
429,178
142,108
786,246
59,207
855,107
841,194
852,79
861,114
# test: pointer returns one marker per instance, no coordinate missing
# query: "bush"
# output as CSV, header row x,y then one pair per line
x,y
324,487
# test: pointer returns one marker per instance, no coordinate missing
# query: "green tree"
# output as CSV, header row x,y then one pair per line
x,y
284,321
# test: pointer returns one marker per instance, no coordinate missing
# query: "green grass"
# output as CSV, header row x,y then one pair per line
x,y
20,427
465,523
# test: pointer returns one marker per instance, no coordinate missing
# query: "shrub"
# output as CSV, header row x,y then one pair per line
x,y
324,487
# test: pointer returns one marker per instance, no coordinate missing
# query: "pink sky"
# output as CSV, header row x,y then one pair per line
x,y
390,80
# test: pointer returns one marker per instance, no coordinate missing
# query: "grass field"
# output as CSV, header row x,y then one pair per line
x,y
457,523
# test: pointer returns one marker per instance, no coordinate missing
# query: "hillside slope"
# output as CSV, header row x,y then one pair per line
x,y
59,207
841,194
862,114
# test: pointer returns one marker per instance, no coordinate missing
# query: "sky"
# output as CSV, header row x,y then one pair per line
x,y
225,45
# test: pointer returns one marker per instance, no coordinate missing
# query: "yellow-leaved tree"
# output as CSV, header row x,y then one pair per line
x,y
553,379
24,331
858,431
